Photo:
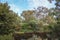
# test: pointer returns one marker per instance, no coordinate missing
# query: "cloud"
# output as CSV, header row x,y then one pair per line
x,y
15,8
3,1
37,3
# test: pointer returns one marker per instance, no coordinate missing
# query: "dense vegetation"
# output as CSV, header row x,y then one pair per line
x,y
8,19
41,19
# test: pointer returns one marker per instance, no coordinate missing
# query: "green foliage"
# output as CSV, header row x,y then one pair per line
x,y
25,27
28,15
8,19
6,37
33,25
11,22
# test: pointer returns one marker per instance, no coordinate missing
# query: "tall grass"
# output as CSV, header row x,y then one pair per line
x,y
6,37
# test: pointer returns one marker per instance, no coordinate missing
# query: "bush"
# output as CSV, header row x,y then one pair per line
x,y
6,37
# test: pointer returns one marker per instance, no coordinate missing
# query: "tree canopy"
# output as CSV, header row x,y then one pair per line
x,y
9,20
41,19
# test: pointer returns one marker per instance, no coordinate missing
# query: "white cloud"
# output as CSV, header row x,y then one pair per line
x,y
6,1
36,3
15,8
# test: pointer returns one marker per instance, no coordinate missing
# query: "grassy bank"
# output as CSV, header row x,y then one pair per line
x,y
6,37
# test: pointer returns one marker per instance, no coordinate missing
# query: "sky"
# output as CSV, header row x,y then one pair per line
x,y
20,5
